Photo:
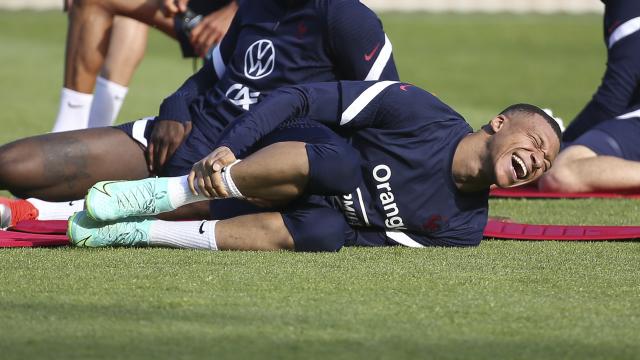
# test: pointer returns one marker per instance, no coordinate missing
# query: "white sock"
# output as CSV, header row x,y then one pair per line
x,y
107,101
184,234
180,193
73,113
48,210
228,183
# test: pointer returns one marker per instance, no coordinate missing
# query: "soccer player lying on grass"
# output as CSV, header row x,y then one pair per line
x,y
603,151
270,43
410,172
106,40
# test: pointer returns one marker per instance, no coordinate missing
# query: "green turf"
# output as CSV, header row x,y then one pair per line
x,y
504,299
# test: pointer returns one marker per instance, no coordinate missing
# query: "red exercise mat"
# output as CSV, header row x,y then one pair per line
x,y
21,239
500,229
54,227
531,191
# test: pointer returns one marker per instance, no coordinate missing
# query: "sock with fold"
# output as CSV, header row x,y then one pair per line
x,y
73,112
180,193
49,210
184,234
107,101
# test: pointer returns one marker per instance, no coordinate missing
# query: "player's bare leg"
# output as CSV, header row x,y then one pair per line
x,y
270,177
264,231
126,50
89,34
62,166
579,169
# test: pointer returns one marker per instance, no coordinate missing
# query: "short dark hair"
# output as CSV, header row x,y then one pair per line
x,y
532,109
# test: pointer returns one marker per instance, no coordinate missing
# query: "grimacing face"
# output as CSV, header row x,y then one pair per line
x,y
522,148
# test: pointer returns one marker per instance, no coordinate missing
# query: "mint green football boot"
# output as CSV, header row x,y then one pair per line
x,y
87,232
115,200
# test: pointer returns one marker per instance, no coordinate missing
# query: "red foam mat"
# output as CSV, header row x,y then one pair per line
x,y
19,239
509,230
53,233
531,191
34,233
54,227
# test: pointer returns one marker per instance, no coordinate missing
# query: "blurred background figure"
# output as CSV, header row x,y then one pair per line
x,y
620,87
106,41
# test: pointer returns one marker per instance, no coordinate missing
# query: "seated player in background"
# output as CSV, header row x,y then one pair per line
x,y
620,87
106,41
271,43
411,172
602,150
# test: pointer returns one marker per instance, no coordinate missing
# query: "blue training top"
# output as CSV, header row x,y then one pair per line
x,y
274,43
620,87
406,138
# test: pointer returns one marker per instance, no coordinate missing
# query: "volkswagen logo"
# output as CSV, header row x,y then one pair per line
x,y
259,59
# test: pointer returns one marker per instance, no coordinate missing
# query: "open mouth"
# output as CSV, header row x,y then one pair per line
x,y
519,167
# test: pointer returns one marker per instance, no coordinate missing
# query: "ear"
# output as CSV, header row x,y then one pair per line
x,y
498,122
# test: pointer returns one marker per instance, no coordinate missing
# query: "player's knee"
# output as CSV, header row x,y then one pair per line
x,y
333,170
13,164
281,238
327,236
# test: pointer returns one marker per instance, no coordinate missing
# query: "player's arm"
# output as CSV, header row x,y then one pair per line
x,y
617,90
358,44
175,107
174,119
212,28
347,104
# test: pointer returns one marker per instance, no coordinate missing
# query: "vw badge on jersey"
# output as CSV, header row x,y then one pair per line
x,y
259,59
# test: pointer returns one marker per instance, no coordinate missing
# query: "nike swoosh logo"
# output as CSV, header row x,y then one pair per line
x,y
369,56
74,106
104,187
201,230
82,242
404,87
70,203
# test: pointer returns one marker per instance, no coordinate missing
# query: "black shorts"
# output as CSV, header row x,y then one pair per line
x,y
616,137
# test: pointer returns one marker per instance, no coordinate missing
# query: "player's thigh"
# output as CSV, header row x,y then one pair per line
x,y
315,226
571,154
333,164
147,11
77,158
309,224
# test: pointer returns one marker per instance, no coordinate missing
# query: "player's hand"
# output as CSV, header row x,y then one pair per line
x,y
205,176
172,7
212,28
166,136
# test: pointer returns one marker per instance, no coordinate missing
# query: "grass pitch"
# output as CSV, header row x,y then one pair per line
x,y
504,299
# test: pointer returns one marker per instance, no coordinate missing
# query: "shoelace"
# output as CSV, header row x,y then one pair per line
x,y
141,199
124,233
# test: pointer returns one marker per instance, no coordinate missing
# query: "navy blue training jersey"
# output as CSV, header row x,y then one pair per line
x,y
274,43
406,138
620,87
